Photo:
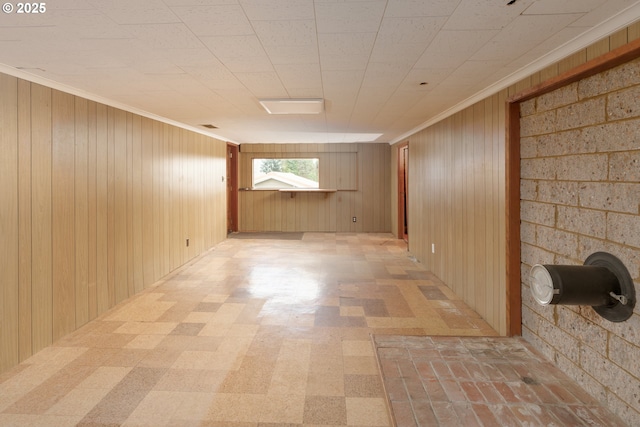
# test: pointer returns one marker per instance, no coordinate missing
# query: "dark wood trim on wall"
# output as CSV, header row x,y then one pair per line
x,y
609,60
402,193
512,203
600,64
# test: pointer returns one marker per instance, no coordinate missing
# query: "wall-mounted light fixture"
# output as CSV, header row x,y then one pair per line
x,y
603,282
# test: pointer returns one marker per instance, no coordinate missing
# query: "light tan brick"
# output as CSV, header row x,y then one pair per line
x,y
625,166
583,221
624,229
586,167
558,98
624,104
587,113
622,197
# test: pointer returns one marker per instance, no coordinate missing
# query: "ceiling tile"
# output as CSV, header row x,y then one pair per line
x,y
414,30
165,36
349,17
345,51
286,33
136,12
272,10
217,20
412,8
484,15
384,74
553,7
298,54
366,58
603,12
263,85
298,76
239,53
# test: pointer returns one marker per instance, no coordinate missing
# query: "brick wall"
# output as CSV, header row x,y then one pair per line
x,y
580,193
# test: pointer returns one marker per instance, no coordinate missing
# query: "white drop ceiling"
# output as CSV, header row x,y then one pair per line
x,y
196,62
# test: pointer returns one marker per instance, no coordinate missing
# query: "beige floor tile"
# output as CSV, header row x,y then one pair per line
x,y
25,420
194,407
283,409
234,340
104,377
156,409
145,341
195,380
199,317
360,365
362,411
146,328
56,356
237,407
144,308
325,410
78,402
220,298
357,348
320,383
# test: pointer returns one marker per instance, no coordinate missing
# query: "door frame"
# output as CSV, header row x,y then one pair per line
x,y
232,187
403,190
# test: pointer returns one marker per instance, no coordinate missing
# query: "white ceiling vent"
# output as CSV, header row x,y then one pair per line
x,y
293,106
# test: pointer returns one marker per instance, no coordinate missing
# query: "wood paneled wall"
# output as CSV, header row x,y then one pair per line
x,y
456,205
96,204
360,173
457,192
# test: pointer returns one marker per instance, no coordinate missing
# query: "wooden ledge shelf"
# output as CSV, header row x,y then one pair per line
x,y
294,191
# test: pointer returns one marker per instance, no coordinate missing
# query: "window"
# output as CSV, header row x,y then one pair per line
x,y
274,174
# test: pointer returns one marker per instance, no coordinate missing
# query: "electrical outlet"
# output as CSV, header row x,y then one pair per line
x,y
187,242
354,219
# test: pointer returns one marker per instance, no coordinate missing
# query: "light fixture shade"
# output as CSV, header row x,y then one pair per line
x,y
293,105
541,285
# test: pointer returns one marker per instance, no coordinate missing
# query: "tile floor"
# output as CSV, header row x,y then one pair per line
x,y
255,333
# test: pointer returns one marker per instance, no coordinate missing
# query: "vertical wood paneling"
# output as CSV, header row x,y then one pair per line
x,y
503,325
175,204
9,225
63,213
455,203
129,210
148,228
111,207
102,189
165,231
360,172
77,219
184,185
81,212
119,200
137,207
41,287
24,215
92,196
492,307
158,197
479,209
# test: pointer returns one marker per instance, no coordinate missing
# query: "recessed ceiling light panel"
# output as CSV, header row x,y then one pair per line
x,y
293,105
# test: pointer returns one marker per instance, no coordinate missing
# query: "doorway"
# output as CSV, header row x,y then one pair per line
x,y
232,188
403,191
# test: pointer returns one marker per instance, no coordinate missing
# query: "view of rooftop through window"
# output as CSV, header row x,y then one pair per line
x,y
285,173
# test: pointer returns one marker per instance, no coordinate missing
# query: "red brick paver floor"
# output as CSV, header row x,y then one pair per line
x,y
480,381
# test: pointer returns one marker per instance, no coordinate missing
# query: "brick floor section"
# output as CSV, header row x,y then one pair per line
x,y
480,381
